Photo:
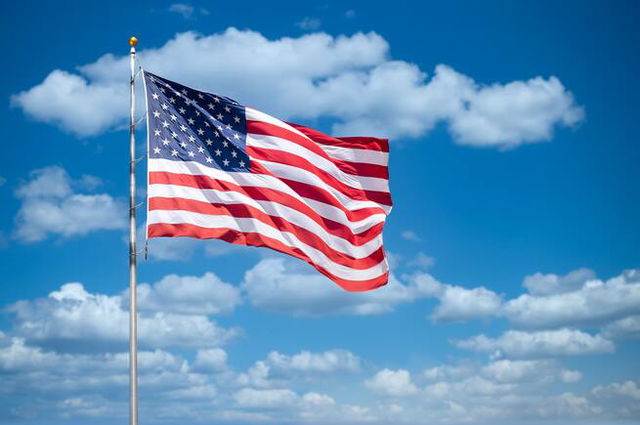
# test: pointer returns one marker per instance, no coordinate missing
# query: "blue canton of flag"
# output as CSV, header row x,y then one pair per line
x,y
191,125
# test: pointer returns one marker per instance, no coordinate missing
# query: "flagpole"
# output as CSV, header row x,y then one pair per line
x,y
133,314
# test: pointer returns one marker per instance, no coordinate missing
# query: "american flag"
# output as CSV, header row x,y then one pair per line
x,y
218,169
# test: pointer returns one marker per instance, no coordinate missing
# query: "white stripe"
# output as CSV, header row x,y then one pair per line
x,y
255,115
323,163
259,180
291,215
290,172
365,156
256,226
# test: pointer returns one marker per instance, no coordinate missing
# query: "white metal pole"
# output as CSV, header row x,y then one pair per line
x,y
133,314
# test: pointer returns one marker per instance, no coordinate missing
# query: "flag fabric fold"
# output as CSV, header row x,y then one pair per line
x,y
218,169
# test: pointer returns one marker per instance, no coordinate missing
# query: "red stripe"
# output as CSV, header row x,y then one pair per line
x,y
287,158
311,191
354,168
362,169
245,211
368,143
257,239
272,195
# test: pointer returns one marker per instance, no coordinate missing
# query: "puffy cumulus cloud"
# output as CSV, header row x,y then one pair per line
x,y
45,372
540,284
458,303
211,360
70,386
576,300
627,328
278,369
287,405
74,315
568,405
250,397
306,361
352,81
74,104
282,285
510,371
504,377
395,383
627,389
73,385
552,343
582,301
51,206
206,294
533,108
503,391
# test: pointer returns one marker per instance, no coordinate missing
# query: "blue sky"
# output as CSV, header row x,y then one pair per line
x,y
513,235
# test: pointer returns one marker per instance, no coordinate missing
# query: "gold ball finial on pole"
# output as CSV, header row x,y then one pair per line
x,y
133,41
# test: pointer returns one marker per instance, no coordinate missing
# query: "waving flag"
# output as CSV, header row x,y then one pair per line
x,y
218,169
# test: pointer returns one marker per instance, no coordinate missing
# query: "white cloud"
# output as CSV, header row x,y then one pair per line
x,y
352,81
316,399
503,391
627,328
309,405
211,360
74,315
540,284
394,383
625,389
276,284
594,302
568,405
272,398
189,295
514,113
553,343
73,385
278,369
306,361
575,300
50,206
74,104
510,371
459,304
256,376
